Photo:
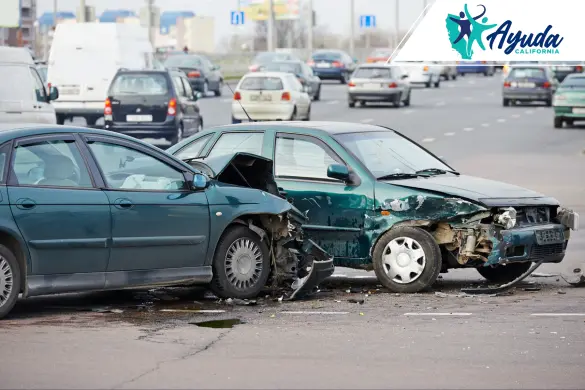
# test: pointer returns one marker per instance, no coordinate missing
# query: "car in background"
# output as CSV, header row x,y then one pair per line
x,y
270,96
379,55
422,73
203,75
24,96
152,104
376,199
332,65
528,83
507,65
562,70
448,72
268,57
90,210
476,67
569,101
378,83
302,72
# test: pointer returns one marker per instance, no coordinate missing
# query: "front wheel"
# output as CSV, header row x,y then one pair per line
x,y
407,260
9,280
343,80
241,265
351,104
503,273
219,88
407,101
318,94
558,123
454,77
506,102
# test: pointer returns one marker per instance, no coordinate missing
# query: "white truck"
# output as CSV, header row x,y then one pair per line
x,y
83,60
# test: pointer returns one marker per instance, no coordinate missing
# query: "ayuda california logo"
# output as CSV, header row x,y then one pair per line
x,y
466,30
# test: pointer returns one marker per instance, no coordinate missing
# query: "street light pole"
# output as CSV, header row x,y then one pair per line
x,y
310,31
270,37
352,28
397,22
82,10
149,7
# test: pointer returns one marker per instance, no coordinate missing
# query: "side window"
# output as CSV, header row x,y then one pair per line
x,y
188,89
179,86
50,163
125,168
194,148
4,150
295,157
230,143
40,92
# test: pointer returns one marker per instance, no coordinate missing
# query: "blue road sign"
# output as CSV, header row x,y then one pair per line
x,y
368,21
237,18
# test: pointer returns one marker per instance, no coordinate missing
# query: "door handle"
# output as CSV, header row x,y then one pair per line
x,y
123,204
25,204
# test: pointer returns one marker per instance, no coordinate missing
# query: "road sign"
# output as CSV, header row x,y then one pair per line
x,y
237,18
368,21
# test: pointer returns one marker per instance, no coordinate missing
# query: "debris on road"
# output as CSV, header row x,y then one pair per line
x,y
358,301
107,310
561,292
532,289
240,302
541,275
577,279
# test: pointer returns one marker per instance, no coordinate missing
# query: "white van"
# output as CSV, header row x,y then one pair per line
x,y
83,60
23,97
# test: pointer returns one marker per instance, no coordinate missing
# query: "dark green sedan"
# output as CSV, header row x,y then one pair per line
x,y
376,199
84,209
569,101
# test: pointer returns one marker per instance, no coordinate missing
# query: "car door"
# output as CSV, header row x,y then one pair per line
x,y
62,215
45,112
192,113
314,82
301,98
187,114
214,74
158,222
336,211
17,95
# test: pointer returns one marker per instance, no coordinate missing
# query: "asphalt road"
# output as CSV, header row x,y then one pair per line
x,y
532,338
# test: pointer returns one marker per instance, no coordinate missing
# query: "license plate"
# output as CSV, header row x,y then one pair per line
x,y
549,236
578,110
323,65
372,86
526,85
138,118
264,98
69,91
564,68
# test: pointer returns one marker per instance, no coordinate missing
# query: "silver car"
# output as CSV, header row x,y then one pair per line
x,y
378,83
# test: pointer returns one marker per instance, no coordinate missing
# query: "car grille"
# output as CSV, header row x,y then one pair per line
x,y
540,251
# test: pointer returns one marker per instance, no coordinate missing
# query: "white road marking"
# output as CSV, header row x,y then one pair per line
x,y
338,276
471,82
428,140
450,86
491,94
449,134
468,98
333,102
316,312
558,314
440,104
437,314
468,129
407,112
501,120
529,112
540,108
485,125
369,120
226,100
515,116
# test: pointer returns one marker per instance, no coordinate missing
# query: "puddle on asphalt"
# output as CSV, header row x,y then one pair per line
x,y
219,324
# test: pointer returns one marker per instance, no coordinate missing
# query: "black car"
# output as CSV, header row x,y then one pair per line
x,y
303,73
203,75
152,104
332,65
562,70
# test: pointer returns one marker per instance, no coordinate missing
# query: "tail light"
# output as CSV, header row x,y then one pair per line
x,y
507,84
108,107
237,96
426,69
351,84
483,62
285,96
311,63
546,84
254,68
194,74
337,64
369,60
392,85
172,110
579,68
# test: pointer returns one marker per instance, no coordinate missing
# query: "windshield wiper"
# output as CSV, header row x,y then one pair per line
x,y
438,171
401,175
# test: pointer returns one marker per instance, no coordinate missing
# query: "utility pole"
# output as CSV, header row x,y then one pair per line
x,y
352,28
83,13
271,26
149,6
425,7
54,13
310,31
397,22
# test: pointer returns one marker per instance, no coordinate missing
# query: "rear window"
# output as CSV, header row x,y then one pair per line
x,y
261,84
183,61
16,83
572,82
269,57
327,56
283,67
373,73
531,73
140,84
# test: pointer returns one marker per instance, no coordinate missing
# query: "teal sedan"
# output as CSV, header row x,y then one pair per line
x,y
376,199
569,101
84,209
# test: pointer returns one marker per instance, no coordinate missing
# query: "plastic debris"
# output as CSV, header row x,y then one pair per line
x,y
561,292
358,301
532,289
240,302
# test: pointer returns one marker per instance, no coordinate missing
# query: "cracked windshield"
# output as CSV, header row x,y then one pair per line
x,y
183,180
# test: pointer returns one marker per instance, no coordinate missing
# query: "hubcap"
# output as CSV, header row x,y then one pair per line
x,y
243,263
5,281
404,260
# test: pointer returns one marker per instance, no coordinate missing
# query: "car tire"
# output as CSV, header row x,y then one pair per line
x,y
351,103
420,247
428,84
407,100
503,273
454,77
10,274
570,123
486,74
240,244
438,83
308,117
506,102
60,119
397,100
343,79
558,123
318,94
549,103
219,89
179,136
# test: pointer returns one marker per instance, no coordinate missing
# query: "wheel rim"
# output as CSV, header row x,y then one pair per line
x,y
404,260
180,134
205,88
243,263
6,281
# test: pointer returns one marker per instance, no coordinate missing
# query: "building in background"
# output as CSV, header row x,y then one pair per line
x,y
117,15
168,19
17,22
182,29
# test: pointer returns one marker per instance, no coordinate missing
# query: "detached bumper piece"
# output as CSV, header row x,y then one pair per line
x,y
503,287
321,267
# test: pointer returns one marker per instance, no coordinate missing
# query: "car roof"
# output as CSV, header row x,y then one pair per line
x,y
266,74
287,62
15,55
331,128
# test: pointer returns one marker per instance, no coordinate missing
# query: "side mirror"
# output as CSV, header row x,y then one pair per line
x,y
200,182
338,171
404,76
53,93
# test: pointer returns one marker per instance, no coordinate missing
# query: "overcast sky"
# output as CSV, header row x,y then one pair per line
x,y
332,13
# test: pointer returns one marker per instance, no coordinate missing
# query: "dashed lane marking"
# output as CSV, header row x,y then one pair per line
x,y
438,314
558,314
226,100
468,129
529,112
449,134
501,120
333,102
440,104
485,125
369,120
316,312
408,112
428,140
515,116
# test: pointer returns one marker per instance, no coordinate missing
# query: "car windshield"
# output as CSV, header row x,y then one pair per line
x,y
381,54
139,84
283,67
386,153
327,56
527,73
261,84
183,61
267,57
573,82
373,73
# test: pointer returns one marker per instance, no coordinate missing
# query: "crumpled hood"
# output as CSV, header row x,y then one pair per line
x,y
487,192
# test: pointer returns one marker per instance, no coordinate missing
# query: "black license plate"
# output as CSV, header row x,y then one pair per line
x,y
550,236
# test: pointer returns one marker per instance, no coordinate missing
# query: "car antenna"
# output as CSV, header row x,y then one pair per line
x,y
245,112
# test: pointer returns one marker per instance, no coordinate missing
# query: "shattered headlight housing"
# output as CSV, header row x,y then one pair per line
x,y
568,218
506,217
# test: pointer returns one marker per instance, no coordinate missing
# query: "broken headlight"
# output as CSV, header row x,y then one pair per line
x,y
568,218
506,218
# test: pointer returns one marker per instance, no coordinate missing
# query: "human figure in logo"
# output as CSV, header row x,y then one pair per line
x,y
478,29
465,24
